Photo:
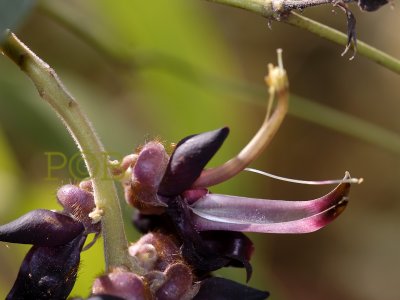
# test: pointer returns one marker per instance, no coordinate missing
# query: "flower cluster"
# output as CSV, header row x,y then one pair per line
x,y
207,227
50,268
189,232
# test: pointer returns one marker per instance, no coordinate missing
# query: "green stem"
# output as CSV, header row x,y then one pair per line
x,y
54,93
257,6
266,9
338,37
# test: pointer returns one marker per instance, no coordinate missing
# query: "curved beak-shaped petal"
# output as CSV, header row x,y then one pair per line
x,y
189,159
220,212
41,227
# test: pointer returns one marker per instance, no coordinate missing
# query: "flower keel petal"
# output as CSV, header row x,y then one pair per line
x,y
219,212
41,227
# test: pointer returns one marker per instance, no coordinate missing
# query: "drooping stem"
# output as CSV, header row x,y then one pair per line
x,y
270,9
61,101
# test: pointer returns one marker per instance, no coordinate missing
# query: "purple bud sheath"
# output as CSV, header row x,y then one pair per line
x,y
147,173
178,283
125,285
78,203
189,159
41,228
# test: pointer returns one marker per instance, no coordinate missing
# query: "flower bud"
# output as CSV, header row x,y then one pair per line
x,y
146,176
41,228
79,203
178,283
161,251
125,285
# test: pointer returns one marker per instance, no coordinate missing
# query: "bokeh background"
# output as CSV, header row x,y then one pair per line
x,y
169,68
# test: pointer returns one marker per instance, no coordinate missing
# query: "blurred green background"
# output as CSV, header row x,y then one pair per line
x,y
169,68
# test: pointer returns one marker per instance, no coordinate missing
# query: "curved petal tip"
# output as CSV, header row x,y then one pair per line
x,y
220,212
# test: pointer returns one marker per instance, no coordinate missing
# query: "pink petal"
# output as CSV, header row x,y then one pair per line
x,y
220,212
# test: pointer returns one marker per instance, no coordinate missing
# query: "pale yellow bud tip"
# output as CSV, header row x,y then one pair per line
x,y
277,77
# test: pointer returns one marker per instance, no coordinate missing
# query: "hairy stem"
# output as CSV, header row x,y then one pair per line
x,y
54,93
271,9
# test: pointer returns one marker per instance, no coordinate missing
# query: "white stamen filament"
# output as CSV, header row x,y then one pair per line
x,y
309,182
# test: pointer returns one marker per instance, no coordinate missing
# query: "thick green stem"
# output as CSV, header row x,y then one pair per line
x,y
338,37
270,9
257,6
54,93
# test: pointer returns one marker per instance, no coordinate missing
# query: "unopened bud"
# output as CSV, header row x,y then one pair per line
x,y
146,176
125,285
166,251
178,283
79,203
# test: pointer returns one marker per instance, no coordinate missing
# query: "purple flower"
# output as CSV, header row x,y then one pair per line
x,y
49,269
48,272
209,227
221,212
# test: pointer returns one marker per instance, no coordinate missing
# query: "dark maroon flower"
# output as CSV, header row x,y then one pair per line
x,y
48,272
123,284
202,254
41,228
49,269
192,211
208,227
